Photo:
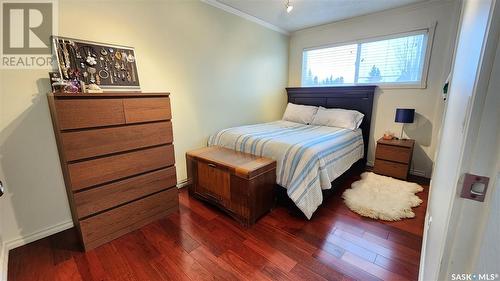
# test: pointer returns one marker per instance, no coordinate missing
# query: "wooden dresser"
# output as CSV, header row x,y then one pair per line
x,y
117,159
239,183
393,158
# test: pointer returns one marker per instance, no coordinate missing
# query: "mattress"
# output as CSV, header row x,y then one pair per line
x,y
308,157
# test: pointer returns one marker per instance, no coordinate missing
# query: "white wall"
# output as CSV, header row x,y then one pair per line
x,y
427,102
3,266
468,133
222,71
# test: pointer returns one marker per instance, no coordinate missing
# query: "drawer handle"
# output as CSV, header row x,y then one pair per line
x,y
212,165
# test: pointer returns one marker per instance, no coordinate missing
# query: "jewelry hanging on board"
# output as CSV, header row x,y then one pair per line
x,y
130,57
92,71
94,63
133,73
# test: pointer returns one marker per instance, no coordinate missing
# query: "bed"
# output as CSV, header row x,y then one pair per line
x,y
309,158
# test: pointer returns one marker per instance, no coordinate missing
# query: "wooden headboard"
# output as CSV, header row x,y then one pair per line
x,y
358,98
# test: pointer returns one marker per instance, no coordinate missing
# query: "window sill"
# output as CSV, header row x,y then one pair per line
x,y
381,86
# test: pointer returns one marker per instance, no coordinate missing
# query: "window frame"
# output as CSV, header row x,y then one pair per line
x,y
429,31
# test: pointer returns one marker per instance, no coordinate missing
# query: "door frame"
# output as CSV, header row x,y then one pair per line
x,y
435,259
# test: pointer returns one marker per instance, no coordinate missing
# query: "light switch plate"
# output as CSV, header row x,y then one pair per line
x,y
471,180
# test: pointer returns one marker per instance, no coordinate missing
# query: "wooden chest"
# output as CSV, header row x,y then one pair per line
x,y
393,158
117,158
239,183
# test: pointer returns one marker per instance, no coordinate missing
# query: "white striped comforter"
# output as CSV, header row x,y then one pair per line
x,y
308,157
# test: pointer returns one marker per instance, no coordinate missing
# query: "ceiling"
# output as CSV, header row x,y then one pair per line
x,y
307,13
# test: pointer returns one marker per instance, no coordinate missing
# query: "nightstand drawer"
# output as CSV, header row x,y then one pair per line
x,y
393,153
391,169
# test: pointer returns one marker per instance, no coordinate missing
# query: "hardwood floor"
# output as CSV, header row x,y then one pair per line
x,y
202,243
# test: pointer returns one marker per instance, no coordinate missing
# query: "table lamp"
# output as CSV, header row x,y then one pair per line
x,y
404,115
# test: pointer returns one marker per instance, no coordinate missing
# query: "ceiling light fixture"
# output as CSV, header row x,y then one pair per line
x,y
289,7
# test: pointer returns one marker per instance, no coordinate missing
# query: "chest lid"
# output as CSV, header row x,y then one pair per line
x,y
238,163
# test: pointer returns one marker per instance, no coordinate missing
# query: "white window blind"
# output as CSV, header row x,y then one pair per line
x,y
397,60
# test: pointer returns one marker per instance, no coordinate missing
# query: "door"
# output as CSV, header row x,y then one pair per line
x,y
452,228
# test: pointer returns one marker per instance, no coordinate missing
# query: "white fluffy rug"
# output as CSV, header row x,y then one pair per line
x,y
381,197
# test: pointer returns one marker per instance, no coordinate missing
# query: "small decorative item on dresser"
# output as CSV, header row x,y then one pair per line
x,y
239,183
393,157
55,77
388,135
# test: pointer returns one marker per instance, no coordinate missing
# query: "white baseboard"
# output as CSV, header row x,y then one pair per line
x,y
23,240
183,183
4,254
419,173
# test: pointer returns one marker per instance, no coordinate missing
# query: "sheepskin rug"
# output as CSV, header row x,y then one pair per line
x,y
381,197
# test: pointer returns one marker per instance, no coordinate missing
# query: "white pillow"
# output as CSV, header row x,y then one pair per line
x,y
300,113
337,117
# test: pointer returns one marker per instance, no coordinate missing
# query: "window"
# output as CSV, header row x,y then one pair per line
x,y
398,60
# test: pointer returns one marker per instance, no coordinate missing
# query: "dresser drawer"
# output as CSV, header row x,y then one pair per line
x,y
392,169
90,143
108,196
105,169
109,225
393,153
86,113
214,181
146,109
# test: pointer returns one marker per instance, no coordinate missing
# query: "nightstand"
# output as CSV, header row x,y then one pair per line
x,y
393,158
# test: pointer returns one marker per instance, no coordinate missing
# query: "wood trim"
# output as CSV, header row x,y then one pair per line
x,y
246,16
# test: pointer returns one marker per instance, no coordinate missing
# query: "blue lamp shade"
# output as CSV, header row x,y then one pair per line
x,y
404,115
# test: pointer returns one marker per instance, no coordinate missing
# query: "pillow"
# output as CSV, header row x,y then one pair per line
x,y
300,113
337,117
